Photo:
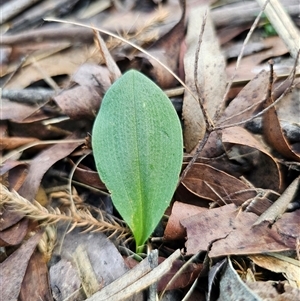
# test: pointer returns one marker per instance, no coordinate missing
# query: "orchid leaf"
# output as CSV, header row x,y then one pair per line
x,y
138,149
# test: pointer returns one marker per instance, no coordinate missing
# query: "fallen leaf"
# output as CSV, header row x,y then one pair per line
x,y
37,273
167,50
250,65
92,75
288,109
65,281
80,102
42,162
35,129
211,77
14,268
186,277
265,170
272,290
12,235
211,183
174,229
10,143
232,286
107,262
110,63
16,111
248,100
56,64
273,133
16,170
89,177
228,230
282,264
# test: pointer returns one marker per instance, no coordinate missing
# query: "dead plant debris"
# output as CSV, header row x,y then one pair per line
x,y
231,70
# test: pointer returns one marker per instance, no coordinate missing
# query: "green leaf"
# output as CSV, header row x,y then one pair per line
x,y
138,149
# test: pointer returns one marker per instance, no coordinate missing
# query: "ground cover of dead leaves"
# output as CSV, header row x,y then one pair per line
x,y
232,231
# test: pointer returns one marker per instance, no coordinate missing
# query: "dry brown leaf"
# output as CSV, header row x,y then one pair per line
x,y
107,262
213,224
12,235
37,273
228,190
16,111
61,63
265,172
166,50
231,285
184,279
248,100
10,143
250,65
42,162
211,77
92,75
211,183
274,291
80,102
110,63
174,229
65,282
87,176
37,50
280,264
14,267
228,32
39,130
229,231
273,133
183,195
16,171
83,101
288,108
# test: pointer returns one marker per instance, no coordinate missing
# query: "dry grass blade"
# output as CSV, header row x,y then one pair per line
x,y
82,218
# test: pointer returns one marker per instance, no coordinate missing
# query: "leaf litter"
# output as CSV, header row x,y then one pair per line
x,y
248,163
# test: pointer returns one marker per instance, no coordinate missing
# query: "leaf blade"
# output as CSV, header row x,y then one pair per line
x,y
137,143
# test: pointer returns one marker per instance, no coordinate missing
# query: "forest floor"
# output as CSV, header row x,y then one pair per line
x,y
231,230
